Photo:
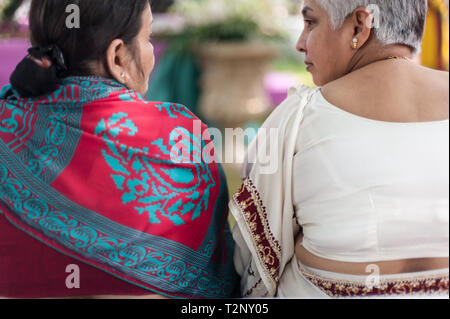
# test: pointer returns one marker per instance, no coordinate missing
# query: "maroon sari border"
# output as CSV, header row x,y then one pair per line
x,y
255,216
420,285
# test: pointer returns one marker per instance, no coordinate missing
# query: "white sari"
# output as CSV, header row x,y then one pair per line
x,y
265,241
267,224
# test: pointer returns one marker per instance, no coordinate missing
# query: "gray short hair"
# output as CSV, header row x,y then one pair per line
x,y
401,21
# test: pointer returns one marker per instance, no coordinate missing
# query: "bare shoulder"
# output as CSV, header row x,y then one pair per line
x,y
353,94
430,89
440,80
393,94
340,91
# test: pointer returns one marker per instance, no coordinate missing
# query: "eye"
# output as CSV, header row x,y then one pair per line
x,y
308,22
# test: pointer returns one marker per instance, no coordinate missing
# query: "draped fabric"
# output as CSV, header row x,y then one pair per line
x,y
359,190
100,174
265,219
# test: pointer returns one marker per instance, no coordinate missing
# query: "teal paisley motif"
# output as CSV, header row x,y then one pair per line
x,y
174,271
51,132
13,191
83,236
125,254
190,279
58,222
46,130
56,134
11,124
53,137
155,262
163,189
158,267
104,246
36,208
172,109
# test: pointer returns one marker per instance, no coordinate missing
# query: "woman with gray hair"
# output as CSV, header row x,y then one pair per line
x,y
355,202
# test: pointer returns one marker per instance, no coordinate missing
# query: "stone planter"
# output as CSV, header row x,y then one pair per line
x,y
233,91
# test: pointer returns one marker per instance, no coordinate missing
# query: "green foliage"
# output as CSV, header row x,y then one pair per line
x,y
9,9
230,20
233,29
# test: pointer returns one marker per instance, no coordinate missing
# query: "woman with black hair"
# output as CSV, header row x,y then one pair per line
x,y
94,175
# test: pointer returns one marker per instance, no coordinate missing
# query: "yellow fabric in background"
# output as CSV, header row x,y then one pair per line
x,y
435,46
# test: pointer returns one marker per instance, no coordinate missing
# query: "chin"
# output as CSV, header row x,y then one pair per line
x,y
320,81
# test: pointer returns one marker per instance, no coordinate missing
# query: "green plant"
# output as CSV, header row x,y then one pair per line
x,y
9,8
230,20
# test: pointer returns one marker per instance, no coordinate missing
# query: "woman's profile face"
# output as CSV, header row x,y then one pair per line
x,y
327,51
140,74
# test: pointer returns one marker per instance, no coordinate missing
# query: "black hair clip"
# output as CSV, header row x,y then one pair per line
x,y
54,53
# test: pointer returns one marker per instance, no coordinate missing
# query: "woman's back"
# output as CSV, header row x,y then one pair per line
x,y
385,139
90,171
96,172
360,185
364,165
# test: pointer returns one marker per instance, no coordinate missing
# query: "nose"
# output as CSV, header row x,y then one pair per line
x,y
301,43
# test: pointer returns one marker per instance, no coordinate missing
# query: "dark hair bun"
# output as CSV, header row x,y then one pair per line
x,y
34,77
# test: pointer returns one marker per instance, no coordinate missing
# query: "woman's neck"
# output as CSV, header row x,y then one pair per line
x,y
368,56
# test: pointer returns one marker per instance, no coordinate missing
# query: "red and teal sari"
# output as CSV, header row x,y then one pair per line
x,y
102,175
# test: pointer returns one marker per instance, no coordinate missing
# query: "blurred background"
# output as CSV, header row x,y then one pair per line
x,y
230,61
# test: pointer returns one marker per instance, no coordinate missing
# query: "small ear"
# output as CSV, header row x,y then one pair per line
x,y
363,23
115,59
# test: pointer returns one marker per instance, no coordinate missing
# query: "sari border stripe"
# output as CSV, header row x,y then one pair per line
x,y
268,248
63,204
179,274
420,285
99,267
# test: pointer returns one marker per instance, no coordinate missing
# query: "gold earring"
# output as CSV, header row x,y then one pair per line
x,y
123,76
355,43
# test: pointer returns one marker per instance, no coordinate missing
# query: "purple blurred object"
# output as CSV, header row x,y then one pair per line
x,y
277,85
12,51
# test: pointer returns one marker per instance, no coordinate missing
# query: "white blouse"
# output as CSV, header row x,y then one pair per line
x,y
367,190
